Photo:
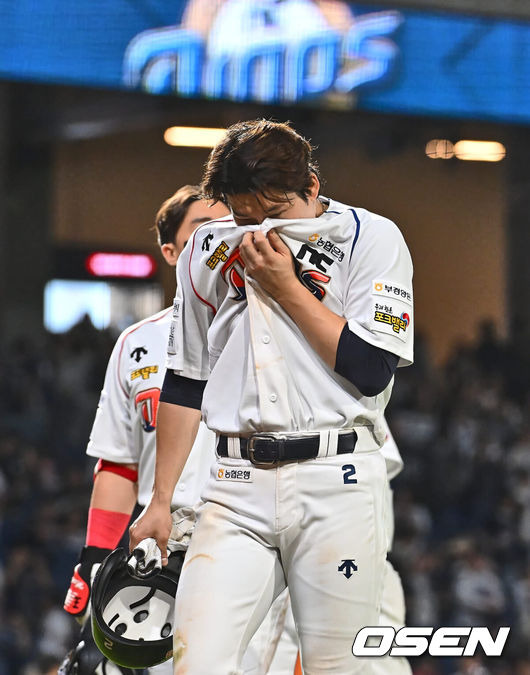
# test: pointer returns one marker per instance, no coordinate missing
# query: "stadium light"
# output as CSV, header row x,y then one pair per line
x,y
439,148
474,151
480,151
193,137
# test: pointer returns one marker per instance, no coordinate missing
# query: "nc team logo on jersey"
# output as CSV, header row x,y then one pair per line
x,y
310,277
233,270
320,260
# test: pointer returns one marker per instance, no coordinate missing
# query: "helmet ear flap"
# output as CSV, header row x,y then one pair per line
x,y
132,618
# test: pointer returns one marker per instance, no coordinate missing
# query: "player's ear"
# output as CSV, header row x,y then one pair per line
x,y
170,253
314,186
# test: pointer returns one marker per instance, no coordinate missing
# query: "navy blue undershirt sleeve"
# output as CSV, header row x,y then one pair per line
x,y
368,368
182,390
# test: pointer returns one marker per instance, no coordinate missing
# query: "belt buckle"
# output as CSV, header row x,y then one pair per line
x,y
279,439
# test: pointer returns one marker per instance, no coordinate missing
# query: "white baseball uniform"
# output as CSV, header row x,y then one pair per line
x,y
317,525
124,432
124,427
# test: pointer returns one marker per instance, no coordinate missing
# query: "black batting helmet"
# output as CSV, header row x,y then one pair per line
x,y
132,618
86,659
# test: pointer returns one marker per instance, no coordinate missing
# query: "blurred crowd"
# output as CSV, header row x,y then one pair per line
x,y
462,503
48,398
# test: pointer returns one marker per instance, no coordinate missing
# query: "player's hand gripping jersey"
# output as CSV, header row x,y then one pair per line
x,y
254,356
124,427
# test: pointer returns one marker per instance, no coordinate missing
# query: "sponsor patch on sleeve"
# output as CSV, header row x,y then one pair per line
x,y
389,289
144,372
392,309
234,474
219,255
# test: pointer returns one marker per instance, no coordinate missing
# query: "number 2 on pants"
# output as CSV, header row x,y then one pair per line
x,y
349,473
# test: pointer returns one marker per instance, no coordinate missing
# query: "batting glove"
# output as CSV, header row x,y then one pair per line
x,y
77,600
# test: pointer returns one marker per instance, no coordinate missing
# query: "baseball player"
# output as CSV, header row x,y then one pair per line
x,y
123,440
291,317
123,437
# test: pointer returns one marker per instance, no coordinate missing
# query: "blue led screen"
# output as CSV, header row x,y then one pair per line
x,y
291,52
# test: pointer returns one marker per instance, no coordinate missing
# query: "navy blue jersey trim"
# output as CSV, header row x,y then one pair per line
x,y
367,367
357,231
182,391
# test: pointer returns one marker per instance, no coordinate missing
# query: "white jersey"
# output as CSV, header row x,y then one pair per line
x,y
390,451
124,427
262,373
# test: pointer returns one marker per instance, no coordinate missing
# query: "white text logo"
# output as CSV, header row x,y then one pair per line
x,y
415,641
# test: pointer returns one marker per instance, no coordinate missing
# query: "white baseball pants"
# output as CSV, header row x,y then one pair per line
x,y
317,526
272,650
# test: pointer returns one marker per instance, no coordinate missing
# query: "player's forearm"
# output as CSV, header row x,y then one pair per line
x,y
112,492
321,327
175,434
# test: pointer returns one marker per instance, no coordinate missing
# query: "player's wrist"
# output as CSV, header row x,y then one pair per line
x,y
292,293
161,498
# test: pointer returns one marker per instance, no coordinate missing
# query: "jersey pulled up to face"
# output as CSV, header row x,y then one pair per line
x,y
262,373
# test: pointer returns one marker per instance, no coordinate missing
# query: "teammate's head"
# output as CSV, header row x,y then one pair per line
x,y
262,168
180,215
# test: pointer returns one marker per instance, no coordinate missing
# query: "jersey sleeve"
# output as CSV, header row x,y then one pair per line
x,y
187,351
378,301
111,435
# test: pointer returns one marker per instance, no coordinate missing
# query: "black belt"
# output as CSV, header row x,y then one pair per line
x,y
273,448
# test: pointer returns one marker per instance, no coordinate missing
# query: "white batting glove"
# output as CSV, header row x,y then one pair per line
x,y
145,560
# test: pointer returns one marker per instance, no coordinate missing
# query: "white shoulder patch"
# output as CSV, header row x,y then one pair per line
x,y
392,308
390,289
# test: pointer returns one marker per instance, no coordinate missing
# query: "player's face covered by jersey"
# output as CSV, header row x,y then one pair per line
x,y
252,209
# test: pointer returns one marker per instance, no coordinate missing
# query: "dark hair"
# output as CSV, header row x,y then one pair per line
x,y
173,211
259,156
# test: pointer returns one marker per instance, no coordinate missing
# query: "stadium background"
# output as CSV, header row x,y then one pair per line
x,y
84,167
